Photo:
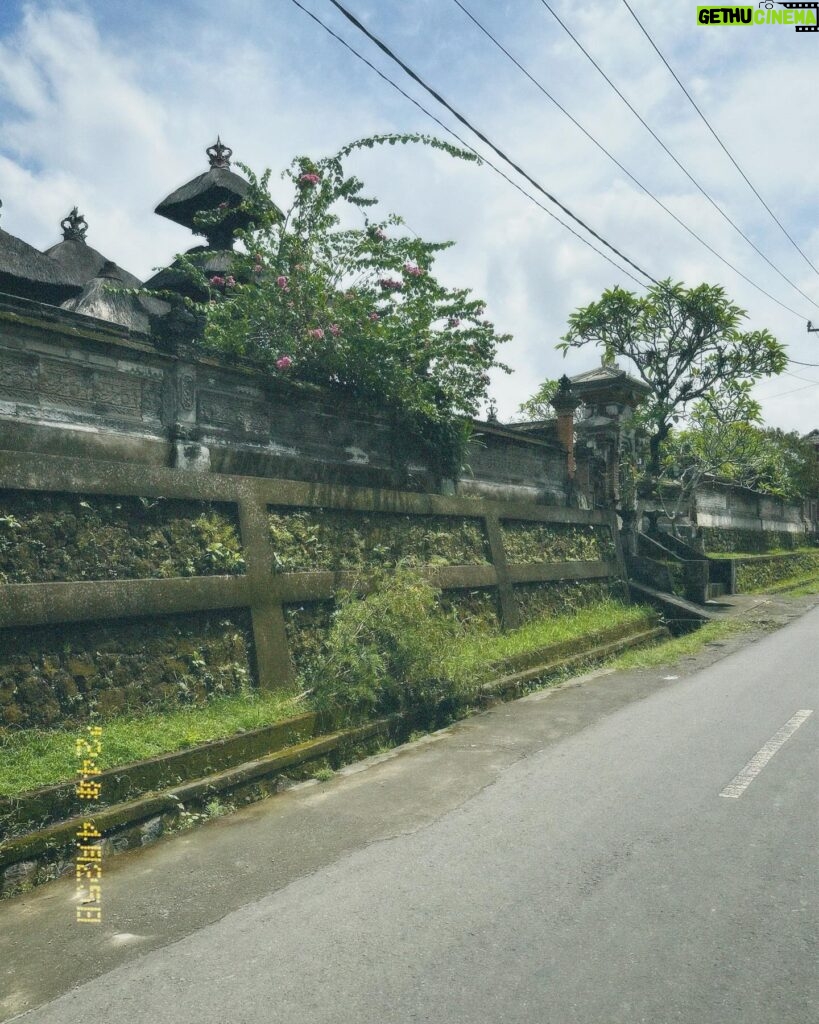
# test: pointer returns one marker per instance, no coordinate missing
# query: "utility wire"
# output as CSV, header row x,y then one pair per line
x,y
793,391
624,169
466,145
473,150
679,163
719,140
416,78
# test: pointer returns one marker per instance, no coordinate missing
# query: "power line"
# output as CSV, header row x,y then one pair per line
x,y
624,169
408,70
678,162
719,140
465,144
793,391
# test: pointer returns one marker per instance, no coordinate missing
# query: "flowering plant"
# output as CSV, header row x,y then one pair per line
x,y
356,308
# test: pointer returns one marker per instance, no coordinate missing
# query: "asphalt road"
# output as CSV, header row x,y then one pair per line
x,y
565,859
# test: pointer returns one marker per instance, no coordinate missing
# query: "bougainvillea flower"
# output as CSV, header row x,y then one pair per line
x,y
412,270
335,330
374,316
281,281
389,284
230,282
310,179
284,363
316,332
217,281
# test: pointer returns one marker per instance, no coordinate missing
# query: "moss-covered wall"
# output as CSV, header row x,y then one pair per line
x,y
759,573
60,675
718,540
535,600
48,537
306,540
526,541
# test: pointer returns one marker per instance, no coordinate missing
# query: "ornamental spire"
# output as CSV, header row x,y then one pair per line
x,y
74,226
219,154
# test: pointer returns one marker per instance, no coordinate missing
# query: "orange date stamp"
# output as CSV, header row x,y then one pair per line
x,y
88,860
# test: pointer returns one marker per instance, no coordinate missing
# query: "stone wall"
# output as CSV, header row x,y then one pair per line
x,y
72,385
125,585
722,507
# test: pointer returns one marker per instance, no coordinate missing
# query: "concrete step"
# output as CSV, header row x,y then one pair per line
x,y
678,612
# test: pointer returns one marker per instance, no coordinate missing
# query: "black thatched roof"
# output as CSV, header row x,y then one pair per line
x,y
208,192
103,297
29,273
81,263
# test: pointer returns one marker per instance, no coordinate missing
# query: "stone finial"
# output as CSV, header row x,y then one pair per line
x,y
74,226
219,154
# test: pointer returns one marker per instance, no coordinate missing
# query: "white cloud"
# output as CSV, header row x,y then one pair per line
x,y
111,108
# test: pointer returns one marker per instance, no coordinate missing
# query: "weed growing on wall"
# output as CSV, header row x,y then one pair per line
x,y
385,651
47,538
307,540
555,542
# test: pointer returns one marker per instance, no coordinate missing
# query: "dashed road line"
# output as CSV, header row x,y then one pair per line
x,y
737,786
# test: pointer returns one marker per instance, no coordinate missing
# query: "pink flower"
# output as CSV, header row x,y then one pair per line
x,y
374,316
454,321
284,363
389,284
257,268
222,206
230,282
281,281
316,332
412,269
335,330
309,179
217,281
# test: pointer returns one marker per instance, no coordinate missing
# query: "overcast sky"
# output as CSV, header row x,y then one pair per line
x,y
109,105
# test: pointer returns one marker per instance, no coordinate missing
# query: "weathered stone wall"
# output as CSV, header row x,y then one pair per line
x,y
72,385
125,585
723,509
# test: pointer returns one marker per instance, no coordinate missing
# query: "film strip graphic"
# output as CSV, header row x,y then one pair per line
x,y
804,7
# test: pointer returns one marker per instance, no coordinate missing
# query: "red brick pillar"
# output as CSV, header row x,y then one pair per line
x,y
564,404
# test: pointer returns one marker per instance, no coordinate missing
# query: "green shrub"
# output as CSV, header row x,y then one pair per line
x,y
384,650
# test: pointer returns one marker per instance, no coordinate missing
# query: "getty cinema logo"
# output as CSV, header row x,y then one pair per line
x,y
804,16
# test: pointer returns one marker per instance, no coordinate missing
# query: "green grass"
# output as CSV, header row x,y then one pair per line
x,y
479,651
775,552
798,586
33,757
681,646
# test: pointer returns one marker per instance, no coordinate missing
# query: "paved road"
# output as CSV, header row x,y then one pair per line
x,y
566,859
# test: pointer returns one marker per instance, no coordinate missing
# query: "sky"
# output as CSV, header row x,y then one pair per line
x,y
109,105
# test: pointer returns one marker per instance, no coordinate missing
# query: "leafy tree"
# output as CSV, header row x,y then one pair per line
x,y
721,440
539,407
791,469
353,308
685,343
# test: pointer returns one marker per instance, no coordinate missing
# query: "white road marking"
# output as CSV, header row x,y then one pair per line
x,y
737,786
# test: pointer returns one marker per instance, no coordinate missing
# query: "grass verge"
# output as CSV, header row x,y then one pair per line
x,y
681,646
477,651
33,758
773,553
